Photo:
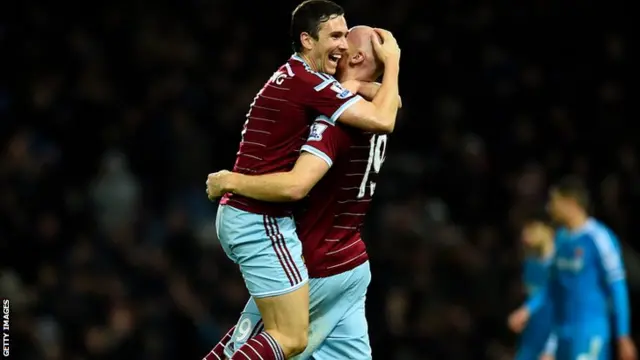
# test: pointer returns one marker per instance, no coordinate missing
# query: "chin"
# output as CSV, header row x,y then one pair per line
x,y
330,71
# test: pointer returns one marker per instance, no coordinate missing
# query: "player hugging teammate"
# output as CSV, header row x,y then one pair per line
x,y
312,139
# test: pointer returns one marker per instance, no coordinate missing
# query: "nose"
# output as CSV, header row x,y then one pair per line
x,y
343,44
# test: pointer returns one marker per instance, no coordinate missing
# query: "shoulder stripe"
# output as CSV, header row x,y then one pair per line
x,y
319,153
323,85
322,76
325,120
608,252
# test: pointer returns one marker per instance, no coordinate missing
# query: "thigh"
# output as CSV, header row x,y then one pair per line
x,y
349,338
266,249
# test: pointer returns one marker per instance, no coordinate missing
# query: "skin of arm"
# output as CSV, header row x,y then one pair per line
x,y
288,186
378,115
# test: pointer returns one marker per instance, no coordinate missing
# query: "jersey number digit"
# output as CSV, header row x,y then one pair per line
x,y
243,330
377,148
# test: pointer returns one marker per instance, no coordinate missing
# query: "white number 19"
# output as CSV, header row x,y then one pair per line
x,y
377,148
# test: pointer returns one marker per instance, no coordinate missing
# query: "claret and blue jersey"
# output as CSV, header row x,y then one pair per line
x,y
586,287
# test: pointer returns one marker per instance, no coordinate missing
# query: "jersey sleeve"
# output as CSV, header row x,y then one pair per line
x,y
610,261
325,95
325,140
608,256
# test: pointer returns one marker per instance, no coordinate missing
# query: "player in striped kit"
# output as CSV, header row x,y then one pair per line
x,y
260,236
341,164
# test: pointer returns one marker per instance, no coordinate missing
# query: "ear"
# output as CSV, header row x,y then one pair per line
x,y
357,58
307,40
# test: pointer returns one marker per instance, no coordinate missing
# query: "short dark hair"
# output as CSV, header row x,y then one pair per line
x,y
308,16
573,187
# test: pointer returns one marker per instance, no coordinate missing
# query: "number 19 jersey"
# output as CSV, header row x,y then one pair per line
x,y
329,220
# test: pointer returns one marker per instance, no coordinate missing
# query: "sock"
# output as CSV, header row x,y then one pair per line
x,y
217,353
259,347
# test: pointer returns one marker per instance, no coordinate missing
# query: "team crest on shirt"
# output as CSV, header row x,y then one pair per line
x,y
342,92
578,252
316,131
573,262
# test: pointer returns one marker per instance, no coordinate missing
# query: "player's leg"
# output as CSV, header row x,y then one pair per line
x,y
593,347
248,326
526,353
250,323
269,254
286,320
323,309
583,346
331,300
349,339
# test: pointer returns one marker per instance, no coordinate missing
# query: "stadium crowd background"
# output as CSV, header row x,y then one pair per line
x,y
113,113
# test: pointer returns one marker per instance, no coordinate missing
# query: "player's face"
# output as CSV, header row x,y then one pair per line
x,y
557,206
343,63
331,45
535,234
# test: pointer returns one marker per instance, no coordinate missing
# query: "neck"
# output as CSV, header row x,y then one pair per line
x,y
577,221
354,73
312,64
349,74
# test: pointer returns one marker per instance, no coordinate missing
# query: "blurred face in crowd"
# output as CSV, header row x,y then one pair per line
x,y
325,52
536,234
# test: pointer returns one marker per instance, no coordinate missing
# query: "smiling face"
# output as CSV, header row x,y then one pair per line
x,y
325,52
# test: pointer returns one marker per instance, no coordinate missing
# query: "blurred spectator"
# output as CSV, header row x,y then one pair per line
x,y
115,193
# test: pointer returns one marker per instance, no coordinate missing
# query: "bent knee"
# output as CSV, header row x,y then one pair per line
x,y
292,339
295,344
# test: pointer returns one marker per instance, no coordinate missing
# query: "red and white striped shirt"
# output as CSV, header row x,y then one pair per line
x,y
278,124
330,219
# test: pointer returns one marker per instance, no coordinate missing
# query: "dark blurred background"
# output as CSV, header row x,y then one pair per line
x,y
113,113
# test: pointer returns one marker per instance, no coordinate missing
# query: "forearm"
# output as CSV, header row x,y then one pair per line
x,y
368,90
387,98
277,187
620,300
